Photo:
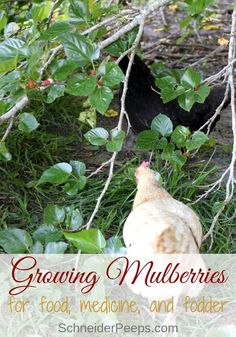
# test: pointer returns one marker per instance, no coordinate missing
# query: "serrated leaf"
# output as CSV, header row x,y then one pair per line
x,y
53,92
78,168
117,139
198,139
101,98
15,241
78,48
4,153
47,233
162,124
147,140
81,9
202,93
57,174
81,85
56,248
72,187
56,30
27,122
61,69
8,64
74,219
40,11
97,136
37,248
191,79
88,241
111,74
115,246
180,135
187,100
54,214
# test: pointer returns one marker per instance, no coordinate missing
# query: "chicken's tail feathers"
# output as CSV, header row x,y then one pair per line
x,y
140,73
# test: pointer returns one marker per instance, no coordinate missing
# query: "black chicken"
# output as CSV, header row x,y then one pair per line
x,y
143,102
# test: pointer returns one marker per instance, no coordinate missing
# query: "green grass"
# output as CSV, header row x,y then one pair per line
x,y
58,139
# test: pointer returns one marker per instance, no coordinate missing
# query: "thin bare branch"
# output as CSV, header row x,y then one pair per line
x,y
120,122
230,171
13,111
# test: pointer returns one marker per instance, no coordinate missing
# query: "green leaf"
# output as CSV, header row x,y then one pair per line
x,y
56,30
11,29
54,214
53,92
115,246
81,85
78,168
15,241
187,100
3,107
27,122
147,140
78,48
191,79
7,64
57,174
9,79
183,24
117,139
61,69
89,241
101,98
11,48
167,85
111,74
74,219
37,248
3,20
81,9
40,11
180,135
202,93
56,248
72,187
47,233
177,158
4,153
198,6
97,136
198,139
162,124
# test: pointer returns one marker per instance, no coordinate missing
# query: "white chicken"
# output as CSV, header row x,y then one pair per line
x,y
158,227
159,223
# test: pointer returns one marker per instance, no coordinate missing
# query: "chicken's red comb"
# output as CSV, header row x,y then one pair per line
x,y
145,164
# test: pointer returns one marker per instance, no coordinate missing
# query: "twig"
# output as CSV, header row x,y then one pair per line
x,y
100,168
213,52
54,3
231,169
13,111
10,125
136,21
119,125
106,21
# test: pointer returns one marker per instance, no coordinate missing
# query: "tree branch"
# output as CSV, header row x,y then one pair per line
x,y
13,111
119,125
230,171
